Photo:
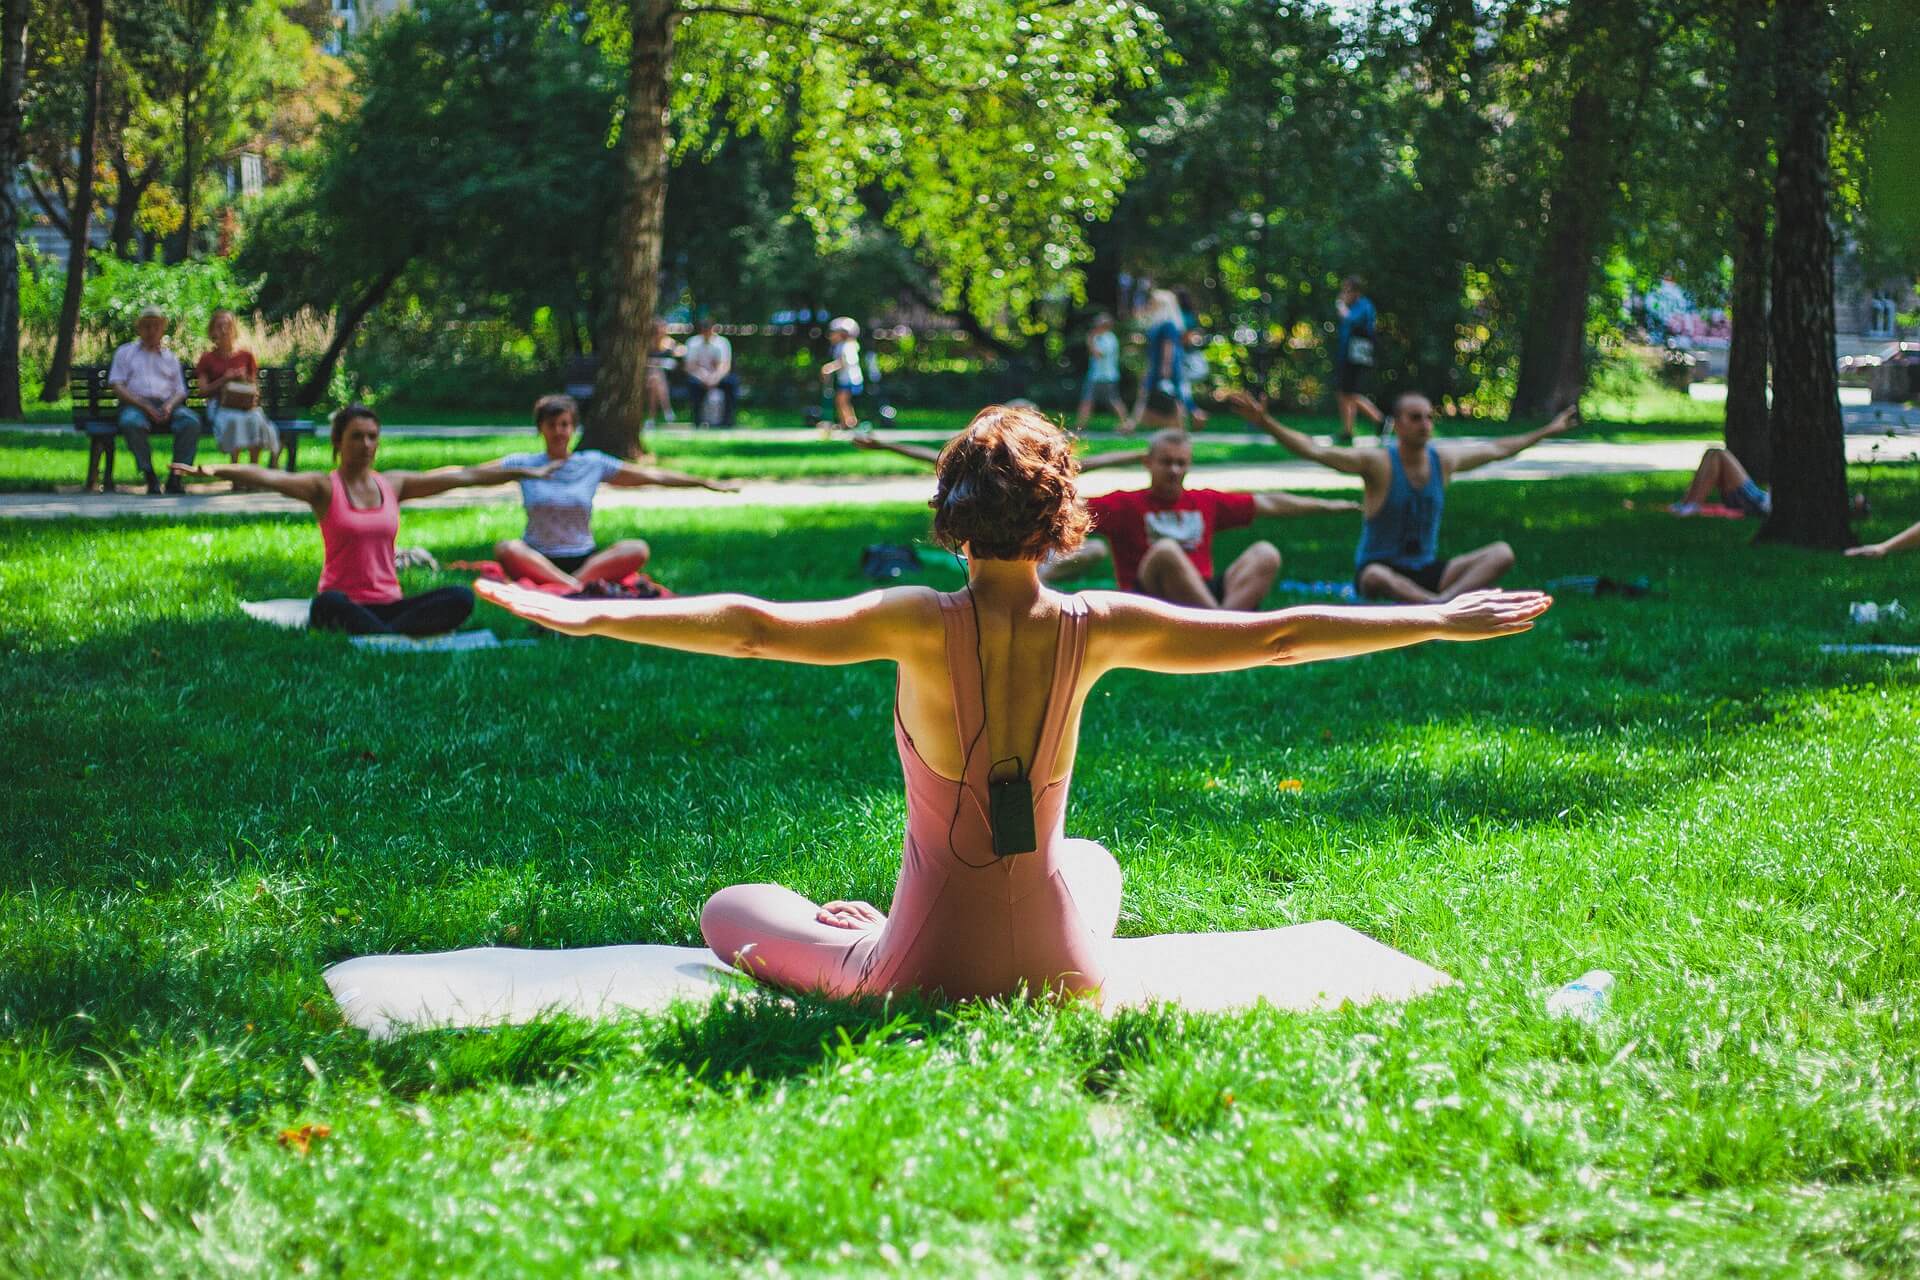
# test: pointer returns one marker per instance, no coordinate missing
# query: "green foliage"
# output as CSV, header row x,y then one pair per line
x,y
116,288
981,132
1671,788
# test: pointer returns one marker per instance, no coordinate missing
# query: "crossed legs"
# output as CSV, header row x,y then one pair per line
x,y
784,938
1471,571
1166,572
610,564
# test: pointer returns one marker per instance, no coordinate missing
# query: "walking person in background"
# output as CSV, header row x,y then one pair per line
x,y
1103,376
1161,399
1353,358
843,370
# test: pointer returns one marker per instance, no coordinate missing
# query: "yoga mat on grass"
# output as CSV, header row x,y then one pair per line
x,y
291,614
452,642
1303,967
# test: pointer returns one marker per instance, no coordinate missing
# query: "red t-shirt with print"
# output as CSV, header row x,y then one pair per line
x,y
1135,520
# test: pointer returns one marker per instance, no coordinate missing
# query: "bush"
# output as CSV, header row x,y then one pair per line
x,y
117,288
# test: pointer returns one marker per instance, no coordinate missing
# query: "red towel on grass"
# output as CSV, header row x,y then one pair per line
x,y
491,569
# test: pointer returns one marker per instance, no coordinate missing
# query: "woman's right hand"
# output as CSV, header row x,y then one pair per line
x,y
1482,615
190,469
556,613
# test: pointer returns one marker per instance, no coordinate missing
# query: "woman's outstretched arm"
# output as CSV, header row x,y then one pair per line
x,y
421,484
310,487
862,628
630,476
1152,635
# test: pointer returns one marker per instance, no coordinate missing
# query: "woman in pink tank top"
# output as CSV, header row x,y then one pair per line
x,y
359,513
993,897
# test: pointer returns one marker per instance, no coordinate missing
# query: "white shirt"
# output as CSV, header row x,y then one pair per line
x,y
151,375
708,359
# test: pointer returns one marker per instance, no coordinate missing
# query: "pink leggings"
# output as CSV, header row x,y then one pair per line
x,y
791,948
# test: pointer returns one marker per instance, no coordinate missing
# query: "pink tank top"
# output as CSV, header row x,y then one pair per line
x,y
965,922
359,555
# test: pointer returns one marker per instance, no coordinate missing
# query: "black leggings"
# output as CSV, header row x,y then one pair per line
x,y
429,614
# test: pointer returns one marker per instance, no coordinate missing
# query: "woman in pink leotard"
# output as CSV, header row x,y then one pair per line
x,y
991,684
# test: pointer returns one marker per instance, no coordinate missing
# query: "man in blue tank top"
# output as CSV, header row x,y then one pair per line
x,y
1406,489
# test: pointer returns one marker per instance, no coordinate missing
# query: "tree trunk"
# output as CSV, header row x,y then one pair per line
x,y
344,328
614,424
128,188
1747,427
1553,338
13,78
186,172
80,217
1809,447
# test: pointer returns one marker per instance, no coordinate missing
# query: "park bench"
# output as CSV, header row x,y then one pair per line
x,y
96,414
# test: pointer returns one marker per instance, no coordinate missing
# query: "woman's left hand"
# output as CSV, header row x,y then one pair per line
x,y
556,613
850,915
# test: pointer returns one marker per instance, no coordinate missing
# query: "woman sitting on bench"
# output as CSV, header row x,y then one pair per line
x,y
993,897
558,548
359,513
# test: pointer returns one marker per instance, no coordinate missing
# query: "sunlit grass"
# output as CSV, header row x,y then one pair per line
x,y
201,813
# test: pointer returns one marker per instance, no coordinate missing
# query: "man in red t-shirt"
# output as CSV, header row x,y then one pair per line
x,y
1162,535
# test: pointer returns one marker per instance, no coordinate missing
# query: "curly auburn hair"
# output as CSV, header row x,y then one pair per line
x,y
1005,487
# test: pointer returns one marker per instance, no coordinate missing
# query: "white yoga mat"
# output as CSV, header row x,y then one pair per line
x,y
453,642
1321,965
291,614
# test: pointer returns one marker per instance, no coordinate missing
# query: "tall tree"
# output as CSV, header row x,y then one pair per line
x,y
1809,454
970,126
1750,101
1608,52
471,167
80,213
13,77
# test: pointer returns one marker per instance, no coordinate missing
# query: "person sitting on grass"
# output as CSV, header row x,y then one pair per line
x,y
1056,566
1907,538
1406,492
1720,472
993,898
1162,535
557,547
359,513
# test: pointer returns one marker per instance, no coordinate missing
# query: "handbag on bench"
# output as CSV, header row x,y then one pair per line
x,y
240,395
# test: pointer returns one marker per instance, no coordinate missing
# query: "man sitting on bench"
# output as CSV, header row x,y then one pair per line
x,y
146,376
1406,484
1162,535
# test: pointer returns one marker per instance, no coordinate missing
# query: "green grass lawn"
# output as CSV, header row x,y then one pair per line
x,y
201,813
39,462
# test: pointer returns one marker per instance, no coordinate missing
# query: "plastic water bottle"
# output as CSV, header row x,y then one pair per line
x,y
1584,998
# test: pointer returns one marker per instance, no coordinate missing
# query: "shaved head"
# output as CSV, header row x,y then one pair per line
x,y
1410,400
1167,438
